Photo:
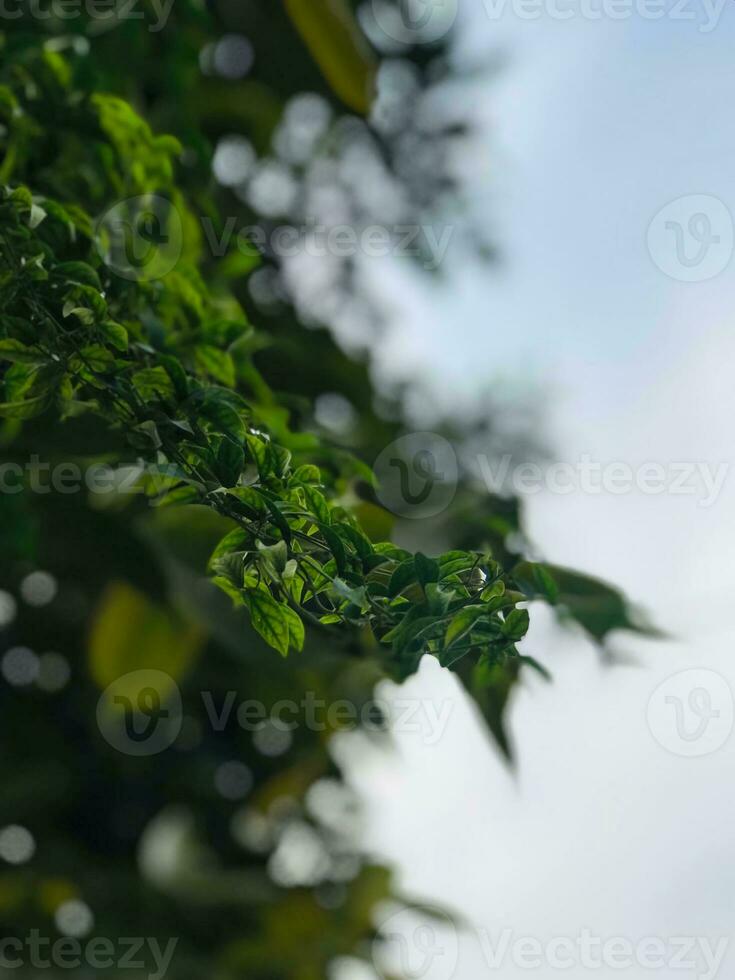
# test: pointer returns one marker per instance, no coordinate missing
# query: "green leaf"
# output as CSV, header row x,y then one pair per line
x,y
14,350
179,496
491,685
259,450
82,314
535,665
232,567
427,569
269,619
282,459
149,432
232,541
250,497
277,517
515,626
462,623
176,372
596,606
25,409
308,473
454,562
230,462
296,631
216,363
79,272
275,556
94,357
223,408
536,580
402,577
235,593
154,383
356,595
115,333
316,504
438,598
334,543
362,545
493,591
22,196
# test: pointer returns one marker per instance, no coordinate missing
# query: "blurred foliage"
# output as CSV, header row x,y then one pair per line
x,y
214,424
150,350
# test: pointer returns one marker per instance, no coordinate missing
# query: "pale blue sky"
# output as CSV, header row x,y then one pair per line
x,y
589,131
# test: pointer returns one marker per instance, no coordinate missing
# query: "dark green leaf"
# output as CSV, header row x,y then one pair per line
x,y
269,619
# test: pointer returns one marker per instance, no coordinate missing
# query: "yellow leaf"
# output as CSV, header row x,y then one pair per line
x,y
333,37
129,633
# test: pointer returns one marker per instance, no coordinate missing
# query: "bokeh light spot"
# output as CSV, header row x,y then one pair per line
x,y
16,844
271,739
74,918
233,780
233,56
53,672
8,608
38,588
234,160
20,666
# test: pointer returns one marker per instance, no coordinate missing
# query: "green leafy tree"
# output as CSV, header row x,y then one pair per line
x,y
121,342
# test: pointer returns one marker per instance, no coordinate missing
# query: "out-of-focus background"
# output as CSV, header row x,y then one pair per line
x,y
572,162
592,127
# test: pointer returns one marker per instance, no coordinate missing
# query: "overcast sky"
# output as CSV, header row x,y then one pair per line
x,y
590,131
